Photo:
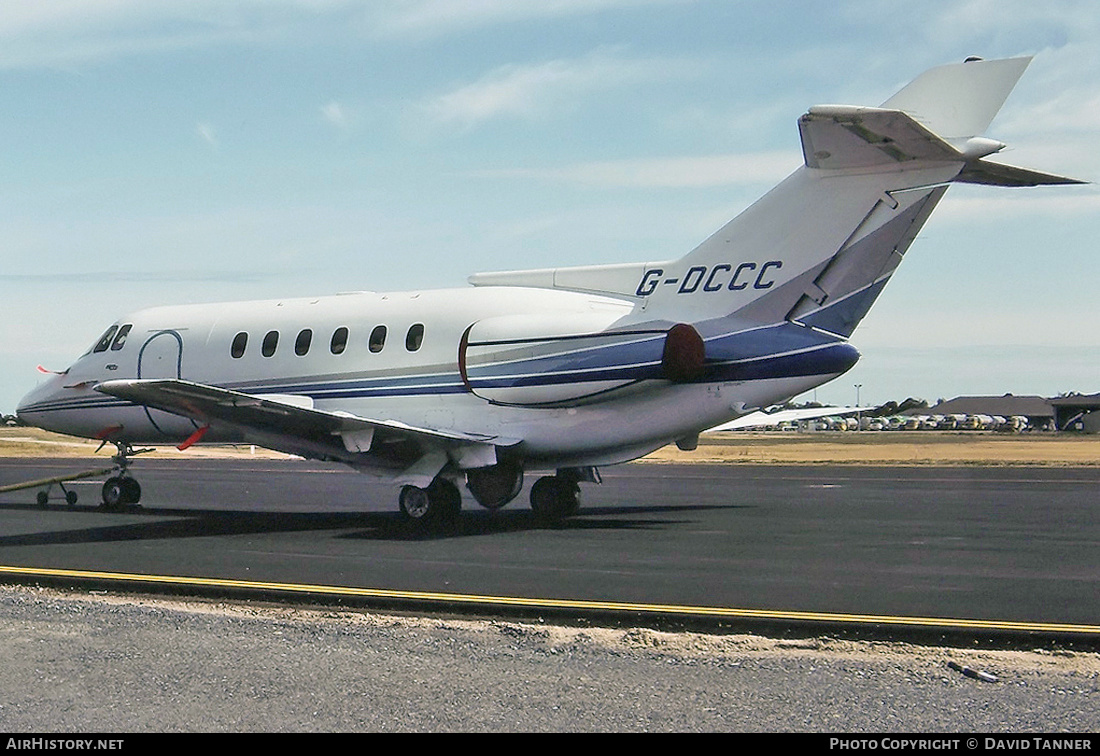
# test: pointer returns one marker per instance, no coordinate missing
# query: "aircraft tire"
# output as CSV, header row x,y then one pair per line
x,y
415,503
113,494
446,499
131,491
119,491
555,497
438,505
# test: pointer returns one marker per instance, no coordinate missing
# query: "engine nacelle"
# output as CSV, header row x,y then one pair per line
x,y
548,360
495,486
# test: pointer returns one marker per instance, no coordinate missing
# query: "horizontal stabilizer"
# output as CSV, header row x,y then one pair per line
x,y
999,174
845,136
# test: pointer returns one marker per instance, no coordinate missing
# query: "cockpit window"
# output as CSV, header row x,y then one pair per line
x,y
120,338
105,340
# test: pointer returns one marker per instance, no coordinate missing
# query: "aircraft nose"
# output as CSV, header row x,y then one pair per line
x,y
40,403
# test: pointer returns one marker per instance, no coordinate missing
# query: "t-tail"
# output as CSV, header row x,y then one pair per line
x,y
817,250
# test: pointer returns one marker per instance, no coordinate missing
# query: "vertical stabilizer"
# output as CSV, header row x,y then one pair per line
x,y
819,248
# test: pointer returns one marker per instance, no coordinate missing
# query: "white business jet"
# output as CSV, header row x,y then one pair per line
x,y
565,369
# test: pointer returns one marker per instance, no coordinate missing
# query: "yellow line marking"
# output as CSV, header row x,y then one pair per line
x,y
546,603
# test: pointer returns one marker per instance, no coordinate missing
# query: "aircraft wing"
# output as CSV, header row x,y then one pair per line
x,y
291,424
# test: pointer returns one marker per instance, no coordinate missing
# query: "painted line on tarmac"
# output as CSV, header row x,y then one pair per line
x,y
553,604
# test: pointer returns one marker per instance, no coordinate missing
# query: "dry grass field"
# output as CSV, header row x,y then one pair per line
x,y
774,447
891,448
32,442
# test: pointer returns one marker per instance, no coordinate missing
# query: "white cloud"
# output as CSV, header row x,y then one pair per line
x,y
69,33
207,134
438,17
530,90
1001,19
65,33
335,114
1073,111
673,173
994,203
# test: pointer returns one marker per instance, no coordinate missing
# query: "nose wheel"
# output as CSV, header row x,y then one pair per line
x,y
120,491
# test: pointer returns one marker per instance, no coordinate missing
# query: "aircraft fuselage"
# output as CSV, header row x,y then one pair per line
x,y
576,379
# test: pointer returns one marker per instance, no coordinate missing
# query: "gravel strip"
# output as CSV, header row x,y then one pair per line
x,y
74,662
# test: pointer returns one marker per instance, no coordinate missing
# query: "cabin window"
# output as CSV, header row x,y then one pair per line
x,y
377,338
271,342
105,340
415,337
301,344
120,338
240,341
339,340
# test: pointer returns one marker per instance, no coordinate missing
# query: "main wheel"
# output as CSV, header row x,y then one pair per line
x,y
415,503
446,499
436,506
555,498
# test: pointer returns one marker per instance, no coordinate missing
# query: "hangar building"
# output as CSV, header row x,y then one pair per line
x,y
1080,412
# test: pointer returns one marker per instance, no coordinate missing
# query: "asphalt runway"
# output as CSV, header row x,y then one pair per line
x,y
976,543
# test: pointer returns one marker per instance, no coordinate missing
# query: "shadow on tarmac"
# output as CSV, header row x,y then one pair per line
x,y
140,523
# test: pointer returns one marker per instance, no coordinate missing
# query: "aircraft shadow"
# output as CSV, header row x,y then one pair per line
x,y
177,523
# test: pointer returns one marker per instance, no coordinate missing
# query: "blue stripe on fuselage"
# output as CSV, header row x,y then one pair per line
x,y
777,351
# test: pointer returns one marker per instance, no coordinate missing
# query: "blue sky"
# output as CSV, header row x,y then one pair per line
x,y
201,150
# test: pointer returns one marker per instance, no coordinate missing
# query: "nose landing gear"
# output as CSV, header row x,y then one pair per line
x,y
122,489
118,491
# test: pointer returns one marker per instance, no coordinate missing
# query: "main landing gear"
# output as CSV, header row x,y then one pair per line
x,y
556,497
436,505
122,489
553,498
